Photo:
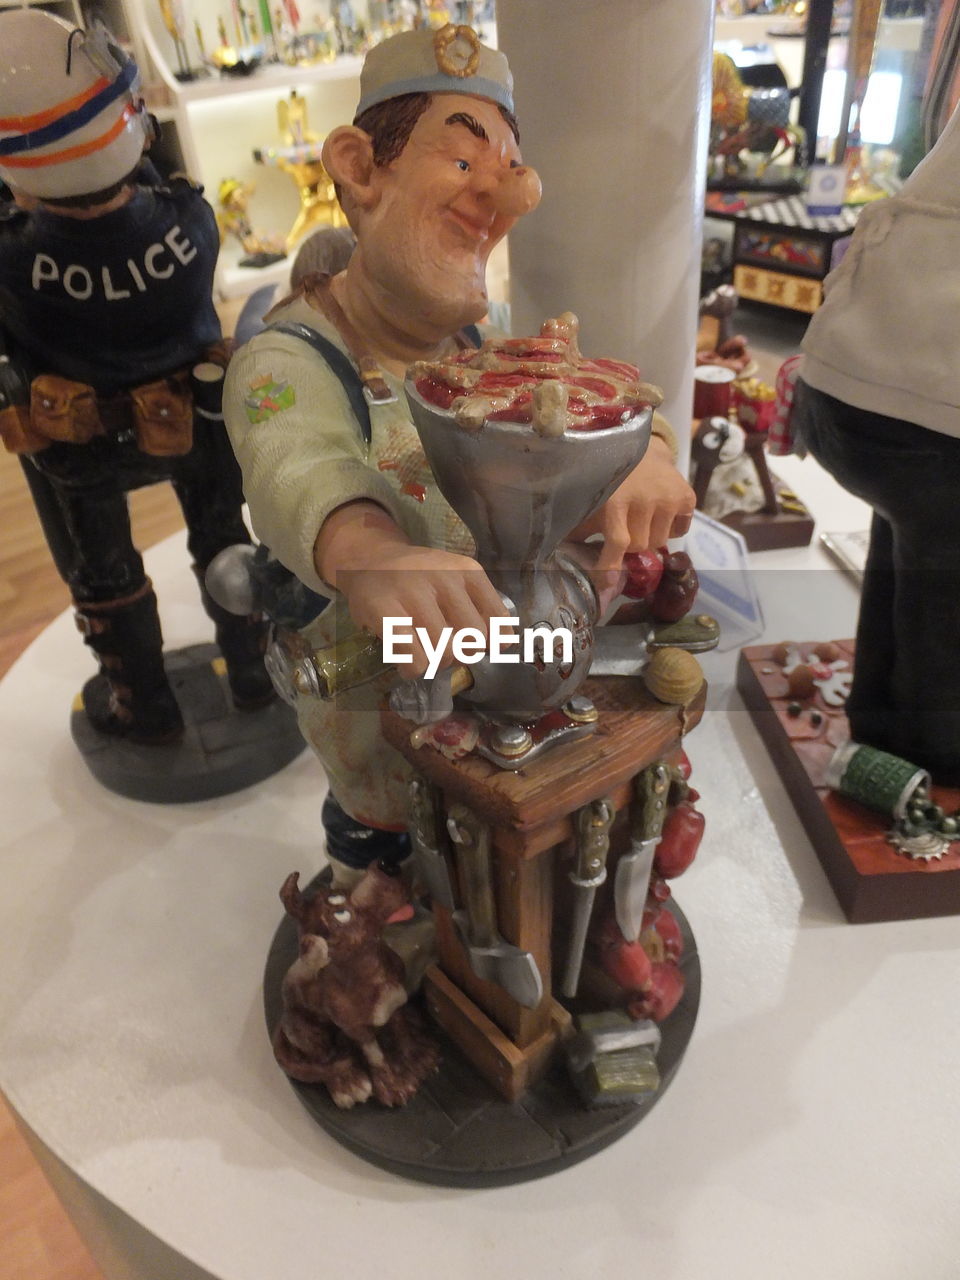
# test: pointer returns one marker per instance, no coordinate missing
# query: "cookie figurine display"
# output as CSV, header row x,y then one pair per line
x,y
886,836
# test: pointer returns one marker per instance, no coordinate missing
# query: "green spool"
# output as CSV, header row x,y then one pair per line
x,y
875,778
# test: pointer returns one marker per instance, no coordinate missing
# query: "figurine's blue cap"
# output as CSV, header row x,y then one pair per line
x,y
449,60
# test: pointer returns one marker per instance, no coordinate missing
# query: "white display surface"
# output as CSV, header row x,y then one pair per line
x,y
812,1129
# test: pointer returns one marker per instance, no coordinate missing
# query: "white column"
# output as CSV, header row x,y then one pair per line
x,y
613,99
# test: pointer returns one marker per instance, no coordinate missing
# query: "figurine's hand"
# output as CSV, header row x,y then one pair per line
x,y
653,504
363,553
435,589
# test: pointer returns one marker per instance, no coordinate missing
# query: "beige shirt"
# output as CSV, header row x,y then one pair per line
x,y
302,454
887,338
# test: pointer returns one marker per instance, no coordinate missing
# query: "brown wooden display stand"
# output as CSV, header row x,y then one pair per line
x,y
871,879
532,816
783,521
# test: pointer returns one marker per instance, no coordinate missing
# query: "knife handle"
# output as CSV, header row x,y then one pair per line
x,y
593,844
653,786
471,840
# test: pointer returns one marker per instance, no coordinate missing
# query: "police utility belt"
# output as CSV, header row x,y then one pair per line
x,y
158,415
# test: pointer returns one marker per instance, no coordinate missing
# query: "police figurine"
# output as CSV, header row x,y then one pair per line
x,y
111,359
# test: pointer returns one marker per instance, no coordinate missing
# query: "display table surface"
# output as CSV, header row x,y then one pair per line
x,y
812,1130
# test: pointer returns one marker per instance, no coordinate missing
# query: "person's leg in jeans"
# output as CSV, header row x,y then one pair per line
x,y
869,708
906,688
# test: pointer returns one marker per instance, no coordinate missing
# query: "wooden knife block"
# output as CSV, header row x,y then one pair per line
x,y
532,817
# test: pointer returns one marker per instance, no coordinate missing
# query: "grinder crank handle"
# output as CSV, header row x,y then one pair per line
x,y
352,662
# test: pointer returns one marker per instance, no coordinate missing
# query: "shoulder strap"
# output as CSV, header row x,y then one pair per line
x,y
317,290
339,364
352,381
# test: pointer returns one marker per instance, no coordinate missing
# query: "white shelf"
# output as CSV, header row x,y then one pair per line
x,y
214,124
270,77
901,35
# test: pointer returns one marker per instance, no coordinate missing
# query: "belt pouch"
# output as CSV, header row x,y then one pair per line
x,y
64,411
163,417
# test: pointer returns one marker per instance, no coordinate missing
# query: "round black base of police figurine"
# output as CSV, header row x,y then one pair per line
x,y
263,258
457,1131
222,749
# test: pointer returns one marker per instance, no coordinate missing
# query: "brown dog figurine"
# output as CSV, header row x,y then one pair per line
x,y
345,1021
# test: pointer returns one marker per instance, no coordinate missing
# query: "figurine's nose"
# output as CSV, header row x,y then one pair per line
x,y
517,192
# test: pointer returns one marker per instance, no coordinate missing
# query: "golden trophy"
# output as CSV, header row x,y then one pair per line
x,y
299,156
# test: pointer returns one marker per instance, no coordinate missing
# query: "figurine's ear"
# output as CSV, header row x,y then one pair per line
x,y
348,158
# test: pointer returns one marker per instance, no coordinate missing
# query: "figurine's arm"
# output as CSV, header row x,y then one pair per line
x,y
324,511
299,446
653,504
362,553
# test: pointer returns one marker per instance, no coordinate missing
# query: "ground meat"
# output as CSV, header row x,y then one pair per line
x,y
542,381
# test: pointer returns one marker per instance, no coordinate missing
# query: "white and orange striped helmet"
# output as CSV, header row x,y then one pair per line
x,y
71,119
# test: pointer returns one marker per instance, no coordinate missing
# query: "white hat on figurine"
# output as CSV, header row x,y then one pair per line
x,y
449,60
71,120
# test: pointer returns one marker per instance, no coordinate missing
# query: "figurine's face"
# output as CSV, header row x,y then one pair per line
x,y
455,190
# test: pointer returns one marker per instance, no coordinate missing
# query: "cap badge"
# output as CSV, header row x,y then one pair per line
x,y
457,50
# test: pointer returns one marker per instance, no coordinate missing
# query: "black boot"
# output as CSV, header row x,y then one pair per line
x,y
242,640
131,696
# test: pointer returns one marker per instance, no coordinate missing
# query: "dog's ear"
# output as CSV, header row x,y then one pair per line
x,y
291,897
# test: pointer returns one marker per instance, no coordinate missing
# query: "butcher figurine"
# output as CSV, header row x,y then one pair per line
x,y
430,177
111,359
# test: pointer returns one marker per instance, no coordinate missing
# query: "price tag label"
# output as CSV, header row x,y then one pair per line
x,y
727,589
825,190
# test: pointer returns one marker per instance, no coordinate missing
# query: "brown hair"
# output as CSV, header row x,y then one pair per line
x,y
391,123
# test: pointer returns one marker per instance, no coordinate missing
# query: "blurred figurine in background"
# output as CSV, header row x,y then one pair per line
x,y
326,252
877,402
112,361
233,198
292,121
